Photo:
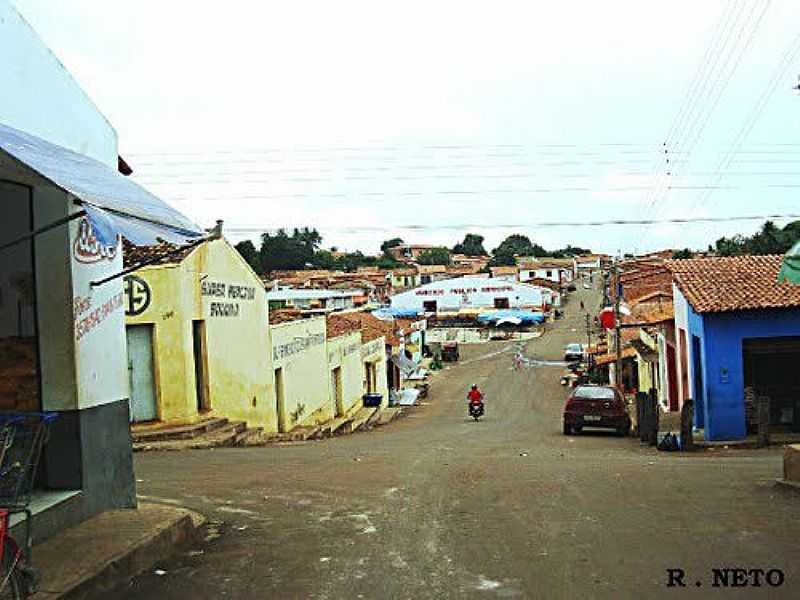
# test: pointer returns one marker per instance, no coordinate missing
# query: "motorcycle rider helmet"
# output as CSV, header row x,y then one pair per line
x,y
474,386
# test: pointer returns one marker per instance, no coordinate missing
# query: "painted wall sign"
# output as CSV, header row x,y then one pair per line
x,y
229,291
97,316
374,347
224,309
137,295
465,291
87,249
298,345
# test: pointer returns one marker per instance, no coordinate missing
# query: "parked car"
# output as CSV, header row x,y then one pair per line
x,y
573,352
600,406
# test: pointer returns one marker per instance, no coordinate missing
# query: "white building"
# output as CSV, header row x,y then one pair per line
x,y
62,331
469,292
587,264
550,271
311,299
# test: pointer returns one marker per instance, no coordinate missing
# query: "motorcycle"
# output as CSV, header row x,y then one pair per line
x,y
476,409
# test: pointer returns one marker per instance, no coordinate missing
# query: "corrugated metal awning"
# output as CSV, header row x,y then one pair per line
x,y
116,205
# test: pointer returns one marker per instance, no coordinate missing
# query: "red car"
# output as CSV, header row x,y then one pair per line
x,y
596,406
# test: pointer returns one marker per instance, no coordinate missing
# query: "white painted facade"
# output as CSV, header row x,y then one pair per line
x,y
39,96
468,292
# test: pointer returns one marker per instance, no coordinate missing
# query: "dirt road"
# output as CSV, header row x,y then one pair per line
x,y
437,506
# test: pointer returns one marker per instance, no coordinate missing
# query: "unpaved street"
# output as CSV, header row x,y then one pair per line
x,y
437,506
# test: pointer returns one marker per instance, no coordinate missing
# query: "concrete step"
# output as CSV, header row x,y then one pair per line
x,y
361,418
298,434
338,425
387,415
250,437
158,433
216,438
114,547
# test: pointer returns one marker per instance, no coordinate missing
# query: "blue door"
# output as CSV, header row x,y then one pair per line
x,y
140,373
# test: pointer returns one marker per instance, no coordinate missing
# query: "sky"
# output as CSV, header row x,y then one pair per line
x,y
430,120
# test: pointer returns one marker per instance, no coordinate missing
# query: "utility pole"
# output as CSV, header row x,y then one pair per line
x,y
589,336
617,330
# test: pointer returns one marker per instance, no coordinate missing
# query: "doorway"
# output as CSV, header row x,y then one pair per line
x,y
200,355
770,369
140,373
371,379
280,400
336,383
672,379
501,303
20,380
698,391
429,306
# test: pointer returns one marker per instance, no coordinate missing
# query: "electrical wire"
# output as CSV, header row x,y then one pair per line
x,y
602,223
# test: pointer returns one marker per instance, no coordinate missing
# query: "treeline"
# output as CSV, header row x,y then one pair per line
x,y
302,249
770,239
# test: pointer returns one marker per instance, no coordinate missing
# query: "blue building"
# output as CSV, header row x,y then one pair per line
x,y
738,338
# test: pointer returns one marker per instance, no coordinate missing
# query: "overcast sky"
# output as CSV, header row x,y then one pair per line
x,y
361,117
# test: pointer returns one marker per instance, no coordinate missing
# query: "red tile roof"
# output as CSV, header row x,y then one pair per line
x,y
649,314
605,359
338,324
371,327
162,254
284,315
723,284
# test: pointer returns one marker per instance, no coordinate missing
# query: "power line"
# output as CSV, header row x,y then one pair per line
x,y
752,117
721,82
478,226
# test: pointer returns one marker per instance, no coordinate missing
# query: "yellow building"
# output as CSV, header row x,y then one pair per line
x,y
374,336
301,375
345,371
198,339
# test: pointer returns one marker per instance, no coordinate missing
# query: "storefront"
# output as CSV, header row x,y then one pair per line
x,y
62,328
300,363
198,341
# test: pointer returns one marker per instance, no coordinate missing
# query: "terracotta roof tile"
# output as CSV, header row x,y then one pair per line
x,y
724,284
284,315
649,314
162,254
338,324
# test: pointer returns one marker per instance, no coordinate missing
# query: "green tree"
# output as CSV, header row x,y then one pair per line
x,y
249,253
392,243
770,239
281,251
570,251
471,246
388,262
682,254
324,259
513,246
435,256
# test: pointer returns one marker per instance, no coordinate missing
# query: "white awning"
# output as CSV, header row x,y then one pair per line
x,y
116,205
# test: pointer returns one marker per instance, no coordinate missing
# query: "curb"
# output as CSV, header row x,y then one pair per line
x,y
118,569
787,484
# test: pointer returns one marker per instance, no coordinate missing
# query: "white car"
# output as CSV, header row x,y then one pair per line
x,y
573,352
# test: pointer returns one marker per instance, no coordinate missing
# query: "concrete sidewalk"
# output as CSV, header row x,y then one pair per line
x,y
91,559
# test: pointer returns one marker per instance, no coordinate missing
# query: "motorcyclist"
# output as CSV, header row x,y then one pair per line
x,y
474,395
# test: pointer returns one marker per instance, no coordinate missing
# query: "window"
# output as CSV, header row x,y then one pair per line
x,y
501,303
594,393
